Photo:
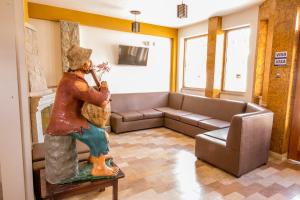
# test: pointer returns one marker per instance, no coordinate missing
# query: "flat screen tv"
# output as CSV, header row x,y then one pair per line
x,y
130,55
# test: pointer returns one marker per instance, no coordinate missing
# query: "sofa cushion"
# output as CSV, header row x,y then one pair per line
x,y
175,100
215,108
151,113
213,124
172,113
220,134
176,114
131,116
193,119
165,109
138,101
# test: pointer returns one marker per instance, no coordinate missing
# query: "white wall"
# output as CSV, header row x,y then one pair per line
x,y
48,35
124,78
242,18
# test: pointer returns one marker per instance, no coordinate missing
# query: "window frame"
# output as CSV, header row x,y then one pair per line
x,y
184,63
225,61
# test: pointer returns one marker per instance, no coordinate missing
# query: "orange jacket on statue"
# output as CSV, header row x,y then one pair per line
x,y
66,115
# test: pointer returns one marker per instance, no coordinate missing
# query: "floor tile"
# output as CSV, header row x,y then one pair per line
x,y
160,165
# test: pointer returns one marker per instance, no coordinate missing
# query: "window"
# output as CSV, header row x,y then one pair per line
x,y
195,62
236,63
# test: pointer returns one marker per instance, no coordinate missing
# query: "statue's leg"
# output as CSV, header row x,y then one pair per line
x,y
96,140
61,160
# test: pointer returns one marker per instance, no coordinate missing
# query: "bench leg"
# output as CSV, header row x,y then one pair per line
x,y
37,184
115,190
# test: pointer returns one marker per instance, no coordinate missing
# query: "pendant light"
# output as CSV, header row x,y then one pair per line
x,y
182,10
135,26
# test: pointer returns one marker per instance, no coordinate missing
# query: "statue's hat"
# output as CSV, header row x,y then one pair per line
x,y
77,56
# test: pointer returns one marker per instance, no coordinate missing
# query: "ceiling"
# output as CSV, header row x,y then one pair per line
x,y
159,12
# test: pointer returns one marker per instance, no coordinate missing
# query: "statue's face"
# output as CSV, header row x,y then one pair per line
x,y
87,66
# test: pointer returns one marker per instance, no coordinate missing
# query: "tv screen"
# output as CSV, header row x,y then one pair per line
x,y
130,55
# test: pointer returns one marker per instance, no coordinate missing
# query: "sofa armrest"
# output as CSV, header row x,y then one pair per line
x,y
250,129
116,117
250,136
115,121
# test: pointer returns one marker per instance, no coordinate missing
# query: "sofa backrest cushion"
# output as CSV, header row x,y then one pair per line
x,y
251,107
138,101
175,100
216,108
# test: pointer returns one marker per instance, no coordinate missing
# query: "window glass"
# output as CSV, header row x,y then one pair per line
x,y
195,62
237,52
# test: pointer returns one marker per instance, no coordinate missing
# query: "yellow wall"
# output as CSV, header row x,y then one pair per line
x,y
278,31
39,11
26,17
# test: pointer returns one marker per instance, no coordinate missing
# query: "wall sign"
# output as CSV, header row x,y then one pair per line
x,y
280,58
280,62
281,54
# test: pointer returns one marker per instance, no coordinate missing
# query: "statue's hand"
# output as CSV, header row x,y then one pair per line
x,y
104,85
103,105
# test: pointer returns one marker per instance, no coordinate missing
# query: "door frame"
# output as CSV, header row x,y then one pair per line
x,y
294,139
15,137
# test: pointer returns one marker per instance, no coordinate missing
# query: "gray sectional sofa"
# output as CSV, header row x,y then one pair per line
x,y
187,114
232,135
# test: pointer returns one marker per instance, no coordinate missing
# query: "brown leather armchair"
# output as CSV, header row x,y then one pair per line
x,y
243,146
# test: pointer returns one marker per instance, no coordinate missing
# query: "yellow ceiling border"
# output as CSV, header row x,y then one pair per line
x,y
45,12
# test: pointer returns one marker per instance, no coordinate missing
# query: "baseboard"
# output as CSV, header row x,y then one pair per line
x,y
277,156
294,161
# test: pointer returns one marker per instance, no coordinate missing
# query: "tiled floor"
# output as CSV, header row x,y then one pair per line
x,y
160,164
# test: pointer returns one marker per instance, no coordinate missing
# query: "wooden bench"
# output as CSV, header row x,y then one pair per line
x,y
62,191
44,190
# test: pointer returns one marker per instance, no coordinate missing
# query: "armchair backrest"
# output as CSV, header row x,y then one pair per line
x,y
250,130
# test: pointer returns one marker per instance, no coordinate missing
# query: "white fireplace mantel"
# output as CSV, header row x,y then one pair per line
x,y
38,104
